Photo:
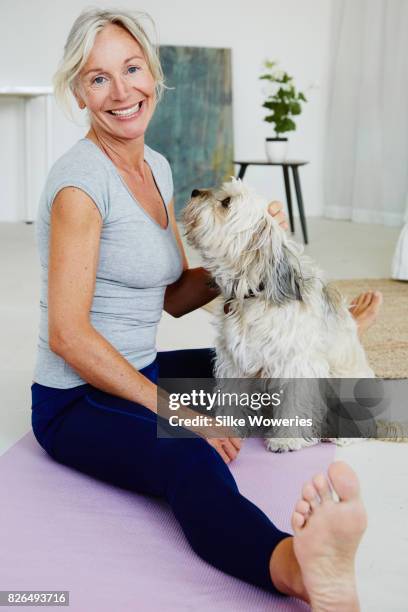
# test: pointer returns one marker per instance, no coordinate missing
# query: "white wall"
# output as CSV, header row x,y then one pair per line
x,y
297,32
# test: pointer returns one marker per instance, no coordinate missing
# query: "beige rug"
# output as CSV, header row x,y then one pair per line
x,y
386,342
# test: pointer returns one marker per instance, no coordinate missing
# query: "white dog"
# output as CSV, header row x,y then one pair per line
x,y
279,319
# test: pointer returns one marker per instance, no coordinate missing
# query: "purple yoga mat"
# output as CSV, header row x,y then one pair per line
x,y
118,551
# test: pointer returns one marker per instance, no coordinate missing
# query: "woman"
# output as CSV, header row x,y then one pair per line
x,y
112,258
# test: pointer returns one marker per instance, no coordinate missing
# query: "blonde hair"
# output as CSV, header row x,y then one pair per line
x,y
80,42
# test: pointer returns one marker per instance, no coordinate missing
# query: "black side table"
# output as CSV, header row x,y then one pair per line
x,y
294,164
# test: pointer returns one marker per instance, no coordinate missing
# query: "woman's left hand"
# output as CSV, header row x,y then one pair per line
x,y
275,208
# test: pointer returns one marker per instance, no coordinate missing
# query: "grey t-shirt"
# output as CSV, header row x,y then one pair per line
x,y
137,259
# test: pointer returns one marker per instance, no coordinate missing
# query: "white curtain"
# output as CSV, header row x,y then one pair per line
x,y
366,173
399,266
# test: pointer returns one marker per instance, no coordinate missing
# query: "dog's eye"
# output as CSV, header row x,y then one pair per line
x,y
225,202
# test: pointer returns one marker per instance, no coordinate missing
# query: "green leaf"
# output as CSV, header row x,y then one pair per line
x,y
295,108
286,125
301,96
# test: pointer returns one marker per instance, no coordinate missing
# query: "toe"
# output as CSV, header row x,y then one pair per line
x,y
361,298
358,303
344,481
366,300
298,520
302,506
322,487
309,494
377,299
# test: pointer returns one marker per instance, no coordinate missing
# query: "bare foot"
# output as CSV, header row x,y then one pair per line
x,y
326,536
365,309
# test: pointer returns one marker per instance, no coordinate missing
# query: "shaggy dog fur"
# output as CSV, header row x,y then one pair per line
x,y
280,319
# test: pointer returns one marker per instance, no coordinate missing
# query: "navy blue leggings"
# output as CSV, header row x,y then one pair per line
x,y
115,440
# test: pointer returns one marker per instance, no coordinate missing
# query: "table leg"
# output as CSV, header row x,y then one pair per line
x,y
288,197
300,202
242,170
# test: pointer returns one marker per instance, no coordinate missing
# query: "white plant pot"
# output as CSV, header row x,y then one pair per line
x,y
276,149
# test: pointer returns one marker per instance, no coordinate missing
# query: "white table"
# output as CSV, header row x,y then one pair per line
x,y
27,94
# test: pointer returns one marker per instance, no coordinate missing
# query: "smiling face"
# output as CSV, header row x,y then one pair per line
x,y
116,85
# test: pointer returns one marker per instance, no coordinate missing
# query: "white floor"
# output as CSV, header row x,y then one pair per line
x,y
344,250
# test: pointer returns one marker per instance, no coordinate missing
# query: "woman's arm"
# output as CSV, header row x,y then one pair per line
x,y
195,287
73,258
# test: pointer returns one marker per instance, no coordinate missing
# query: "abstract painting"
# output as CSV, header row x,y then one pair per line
x,y
192,125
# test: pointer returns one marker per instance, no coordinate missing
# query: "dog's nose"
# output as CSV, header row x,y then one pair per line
x,y
195,193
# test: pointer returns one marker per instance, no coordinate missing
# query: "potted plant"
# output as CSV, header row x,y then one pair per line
x,y
283,102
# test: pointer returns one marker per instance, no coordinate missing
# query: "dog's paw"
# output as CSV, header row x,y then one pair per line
x,y
283,445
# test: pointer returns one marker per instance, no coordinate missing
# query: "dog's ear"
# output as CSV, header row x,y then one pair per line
x,y
269,268
283,280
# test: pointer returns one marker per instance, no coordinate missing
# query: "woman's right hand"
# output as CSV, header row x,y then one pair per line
x,y
228,448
